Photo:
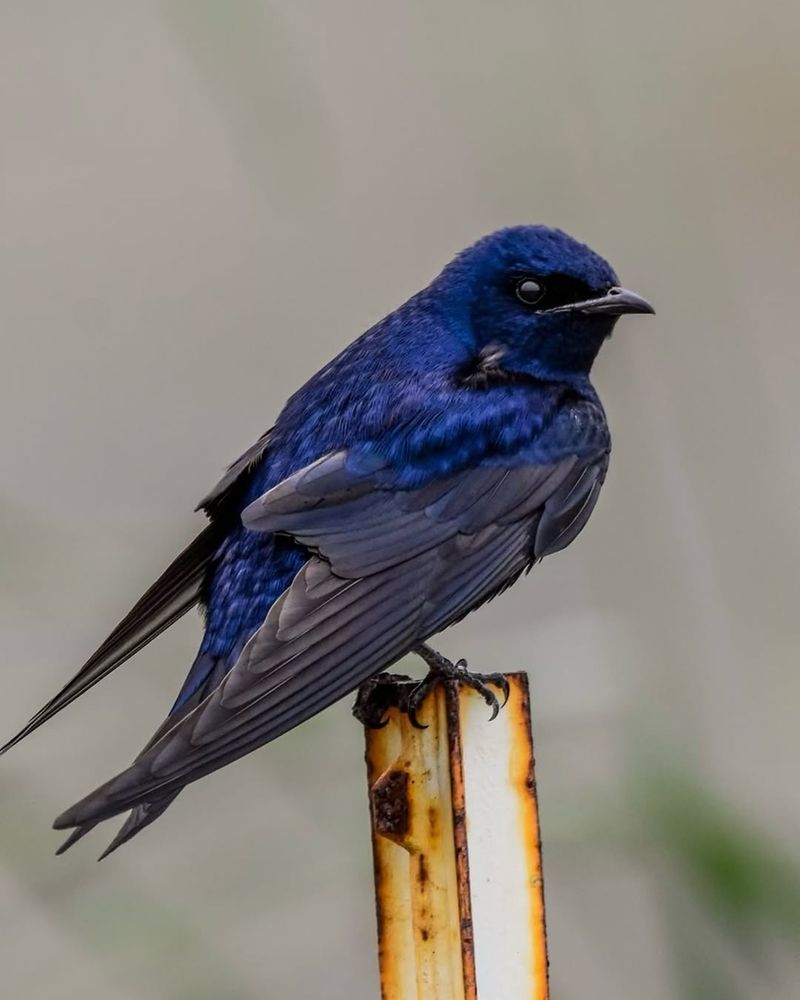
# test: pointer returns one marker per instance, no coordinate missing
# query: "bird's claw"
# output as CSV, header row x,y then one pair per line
x,y
499,680
382,692
480,683
415,698
377,695
442,669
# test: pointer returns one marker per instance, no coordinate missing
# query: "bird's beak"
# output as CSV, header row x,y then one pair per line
x,y
615,302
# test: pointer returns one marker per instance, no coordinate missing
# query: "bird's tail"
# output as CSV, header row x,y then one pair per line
x,y
140,817
211,673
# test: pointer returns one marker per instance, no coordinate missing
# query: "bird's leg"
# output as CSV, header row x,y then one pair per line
x,y
441,669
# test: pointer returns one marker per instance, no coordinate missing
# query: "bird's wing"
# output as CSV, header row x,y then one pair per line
x,y
174,593
392,566
213,501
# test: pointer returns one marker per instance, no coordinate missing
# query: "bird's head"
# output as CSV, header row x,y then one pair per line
x,y
536,300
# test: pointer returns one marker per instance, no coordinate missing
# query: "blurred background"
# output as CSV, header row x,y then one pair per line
x,y
202,201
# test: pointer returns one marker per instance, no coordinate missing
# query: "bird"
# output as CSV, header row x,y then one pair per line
x,y
416,476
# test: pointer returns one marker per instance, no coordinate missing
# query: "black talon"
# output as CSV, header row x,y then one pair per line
x,y
411,712
502,682
415,698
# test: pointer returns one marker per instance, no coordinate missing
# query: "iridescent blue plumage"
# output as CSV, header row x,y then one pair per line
x,y
401,371
416,475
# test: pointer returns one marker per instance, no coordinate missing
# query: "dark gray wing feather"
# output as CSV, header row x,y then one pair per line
x,y
217,497
391,567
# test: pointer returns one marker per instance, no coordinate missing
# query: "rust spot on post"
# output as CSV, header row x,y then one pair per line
x,y
390,805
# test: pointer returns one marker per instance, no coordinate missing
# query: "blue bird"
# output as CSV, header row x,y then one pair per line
x,y
413,478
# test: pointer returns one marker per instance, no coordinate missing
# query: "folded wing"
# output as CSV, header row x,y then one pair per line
x,y
390,568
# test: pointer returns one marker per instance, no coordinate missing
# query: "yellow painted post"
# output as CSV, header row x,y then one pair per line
x,y
455,834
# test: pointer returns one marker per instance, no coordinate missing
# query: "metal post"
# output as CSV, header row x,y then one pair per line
x,y
456,847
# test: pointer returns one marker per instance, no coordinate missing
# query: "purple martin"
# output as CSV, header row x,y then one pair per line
x,y
417,475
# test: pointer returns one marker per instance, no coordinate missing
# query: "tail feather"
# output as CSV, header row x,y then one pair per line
x,y
77,834
138,818
142,815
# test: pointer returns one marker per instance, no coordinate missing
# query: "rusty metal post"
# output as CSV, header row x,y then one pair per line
x,y
456,847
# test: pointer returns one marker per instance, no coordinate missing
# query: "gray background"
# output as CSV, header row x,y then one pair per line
x,y
201,203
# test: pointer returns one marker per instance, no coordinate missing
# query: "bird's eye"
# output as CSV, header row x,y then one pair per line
x,y
530,291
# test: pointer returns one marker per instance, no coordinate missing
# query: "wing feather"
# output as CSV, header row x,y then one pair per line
x,y
228,484
363,600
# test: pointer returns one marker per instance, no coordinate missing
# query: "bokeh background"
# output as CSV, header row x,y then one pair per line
x,y
202,201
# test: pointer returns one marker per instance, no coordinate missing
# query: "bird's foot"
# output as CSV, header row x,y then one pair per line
x,y
440,669
384,691
378,694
